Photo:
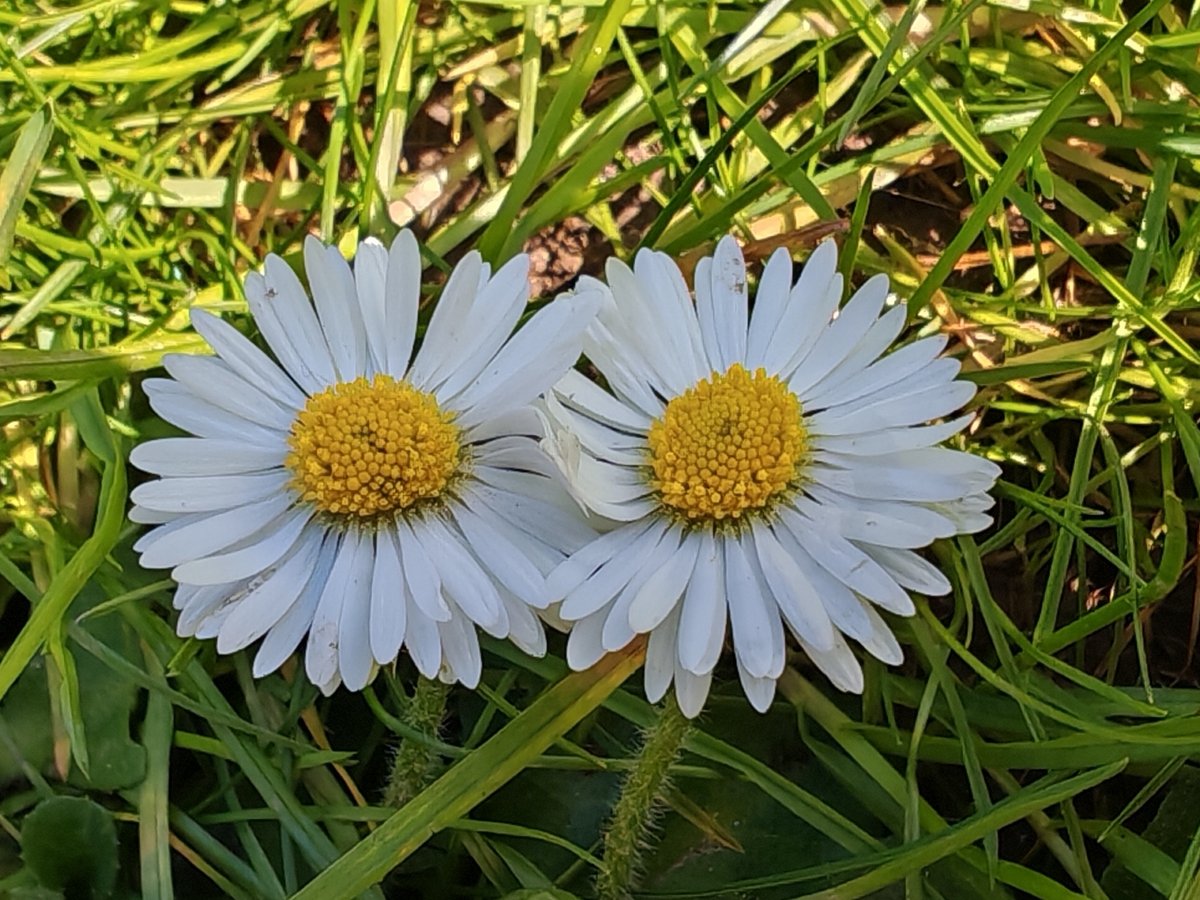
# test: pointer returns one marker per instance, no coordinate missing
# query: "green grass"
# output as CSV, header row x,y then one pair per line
x,y
1025,172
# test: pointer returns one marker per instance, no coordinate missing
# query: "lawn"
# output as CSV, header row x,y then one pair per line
x,y
1026,174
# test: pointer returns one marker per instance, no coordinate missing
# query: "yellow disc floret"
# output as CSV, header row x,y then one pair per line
x,y
727,445
365,449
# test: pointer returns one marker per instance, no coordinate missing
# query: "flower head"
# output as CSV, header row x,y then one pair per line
x,y
352,490
771,470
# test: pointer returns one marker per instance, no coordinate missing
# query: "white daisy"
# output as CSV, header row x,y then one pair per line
x,y
769,469
358,492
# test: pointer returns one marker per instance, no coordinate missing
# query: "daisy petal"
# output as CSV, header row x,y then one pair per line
x,y
812,301
283,639
274,540
691,691
660,658
661,592
402,299
245,359
749,613
270,600
289,323
702,617
336,300
356,664
177,405
370,287
190,536
532,360
205,456
387,599
211,380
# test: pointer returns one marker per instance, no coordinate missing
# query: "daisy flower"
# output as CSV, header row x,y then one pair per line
x,y
768,470
353,490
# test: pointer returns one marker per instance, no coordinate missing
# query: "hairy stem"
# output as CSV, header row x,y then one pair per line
x,y
638,804
416,764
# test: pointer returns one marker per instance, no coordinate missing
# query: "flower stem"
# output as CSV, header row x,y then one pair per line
x,y
638,804
416,763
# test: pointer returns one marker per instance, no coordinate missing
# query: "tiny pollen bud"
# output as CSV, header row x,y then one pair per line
x,y
727,444
345,442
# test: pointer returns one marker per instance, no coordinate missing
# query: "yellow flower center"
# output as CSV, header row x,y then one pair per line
x,y
364,449
727,445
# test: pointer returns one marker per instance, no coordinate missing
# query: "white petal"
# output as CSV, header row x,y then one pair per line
x,y
770,303
878,338
388,603
513,501
246,360
903,525
501,558
702,616
660,658
450,323
356,664
582,564
210,379
875,636
848,564
403,296
910,570
749,611
532,361
929,474
797,598
210,492
879,443
839,665
812,301
287,633
192,537
179,406
579,392
660,594
423,641
273,542
525,629
677,311
606,355
842,335
892,369
930,403
270,600
646,335
729,298
370,286
205,456
202,602
463,580
289,324
612,576
759,691
142,516
336,300
460,650
584,646
321,652
691,691
494,314
617,631
420,574
525,421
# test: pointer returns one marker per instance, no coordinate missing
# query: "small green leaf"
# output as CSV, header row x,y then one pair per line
x,y
70,844
18,174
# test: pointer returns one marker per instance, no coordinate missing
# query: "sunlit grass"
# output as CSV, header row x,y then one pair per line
x,y
1025,173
